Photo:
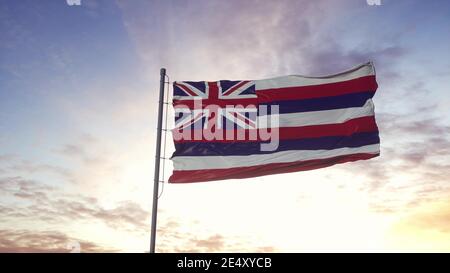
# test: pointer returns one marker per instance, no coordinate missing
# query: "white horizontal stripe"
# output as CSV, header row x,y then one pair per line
x,y
359,71
225,162
317,117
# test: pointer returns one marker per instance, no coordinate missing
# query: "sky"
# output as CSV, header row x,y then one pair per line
x,y
78,104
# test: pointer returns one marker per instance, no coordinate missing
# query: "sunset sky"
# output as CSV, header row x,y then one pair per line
x,y
78,105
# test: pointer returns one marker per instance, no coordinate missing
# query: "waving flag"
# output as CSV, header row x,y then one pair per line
x,y
242,129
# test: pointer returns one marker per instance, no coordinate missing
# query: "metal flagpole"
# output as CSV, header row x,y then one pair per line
x,y
157,160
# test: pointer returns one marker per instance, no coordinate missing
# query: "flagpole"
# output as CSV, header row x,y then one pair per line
x,y
157,160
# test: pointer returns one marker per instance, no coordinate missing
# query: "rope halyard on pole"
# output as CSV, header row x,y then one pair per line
x,y
164,158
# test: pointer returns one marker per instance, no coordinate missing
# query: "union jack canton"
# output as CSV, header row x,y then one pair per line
x,y
219,104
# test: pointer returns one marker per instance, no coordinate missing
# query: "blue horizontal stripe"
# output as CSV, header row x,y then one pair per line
x,y
319,104
250,148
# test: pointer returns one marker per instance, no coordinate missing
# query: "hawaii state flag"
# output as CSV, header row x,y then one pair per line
x,y
234,129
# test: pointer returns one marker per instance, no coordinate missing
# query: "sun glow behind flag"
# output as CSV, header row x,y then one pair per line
x,y
241,129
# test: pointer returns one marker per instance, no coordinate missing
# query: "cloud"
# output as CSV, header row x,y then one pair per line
x,y
412,168
51,205
411,124
33,205
173,237
435,218
81,153
85,149
426,227
242,39
30,241
73,150
18,185
12,164
100,164
6,157
29,167
213,243
335,58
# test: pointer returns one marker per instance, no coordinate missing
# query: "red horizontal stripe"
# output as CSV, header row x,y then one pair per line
x,y
357,125
363,84
260,170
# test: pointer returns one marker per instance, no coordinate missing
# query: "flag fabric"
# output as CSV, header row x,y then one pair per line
x,y
249,128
